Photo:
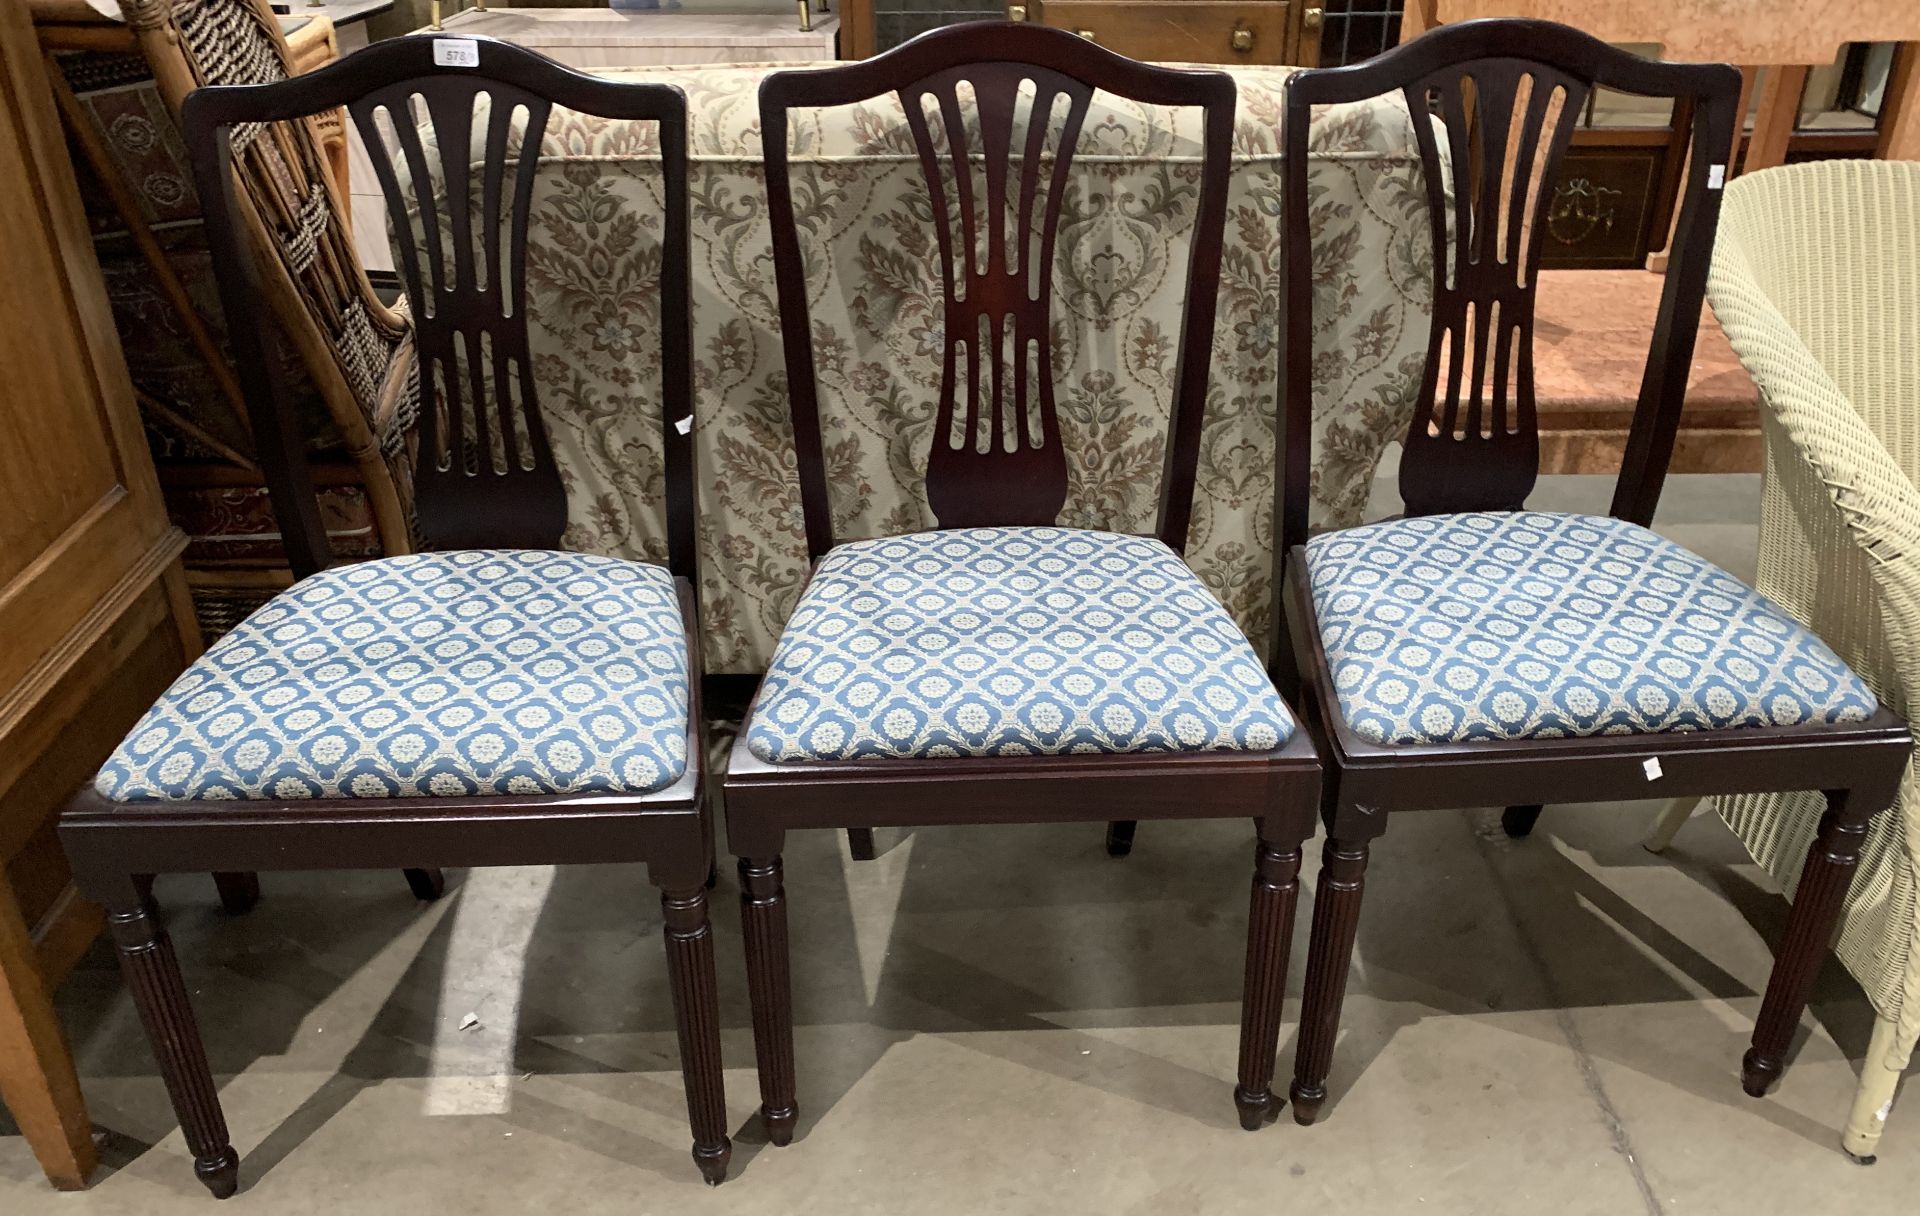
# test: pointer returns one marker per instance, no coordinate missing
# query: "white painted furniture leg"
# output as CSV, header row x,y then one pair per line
x,y
1879,1076
1673,817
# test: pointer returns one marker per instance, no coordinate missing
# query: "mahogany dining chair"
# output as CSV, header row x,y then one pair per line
x,y
492,701
1002,669
1475,653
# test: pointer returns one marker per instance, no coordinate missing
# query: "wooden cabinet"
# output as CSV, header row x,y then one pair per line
x,y
1612,203
1180,31
1190,31
94,612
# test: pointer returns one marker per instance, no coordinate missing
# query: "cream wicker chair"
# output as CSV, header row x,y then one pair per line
x,y
1816,280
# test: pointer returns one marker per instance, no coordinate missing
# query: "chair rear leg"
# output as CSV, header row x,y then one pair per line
x,y
1824,879
239,891
1336,919
696,1012
1276,892
426,884
763,922
1518,821
1673,817
1120,837
860,843
153,977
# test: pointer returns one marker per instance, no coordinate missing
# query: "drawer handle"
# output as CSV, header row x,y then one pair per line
x,y
1016,12
1241,39
1087,34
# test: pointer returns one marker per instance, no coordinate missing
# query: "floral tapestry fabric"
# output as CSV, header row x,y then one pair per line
x,y
594,260
1011,642
1535,625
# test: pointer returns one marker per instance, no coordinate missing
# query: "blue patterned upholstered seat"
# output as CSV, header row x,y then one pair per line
x,y
485,672
1530,625
1011,641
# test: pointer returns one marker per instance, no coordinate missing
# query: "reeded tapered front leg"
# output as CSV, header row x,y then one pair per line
x,y
1824,879
1276,892
696,1013
159,993
1336,918
763,921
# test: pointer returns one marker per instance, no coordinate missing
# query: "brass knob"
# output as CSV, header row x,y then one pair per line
x,y
1241,39
1087,34
1016,12
1311,18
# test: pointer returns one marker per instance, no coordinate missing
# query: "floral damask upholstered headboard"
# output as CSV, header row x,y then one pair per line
x,y
593,259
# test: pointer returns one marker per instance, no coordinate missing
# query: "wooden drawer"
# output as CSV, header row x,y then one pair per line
x,y
1189,31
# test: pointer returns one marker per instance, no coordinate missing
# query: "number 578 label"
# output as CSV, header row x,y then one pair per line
x,y
456,53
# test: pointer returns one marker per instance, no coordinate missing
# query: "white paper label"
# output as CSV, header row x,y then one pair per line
x,y
684,425
1651,766
1716,176
456,53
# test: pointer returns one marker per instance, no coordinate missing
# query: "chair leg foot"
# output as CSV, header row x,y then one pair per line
x,y
1824,880
1758,1075
1120,837
427,885
220,1175
239,891
713,1162
1307,1101
779,1124
763,923
1256,1109
1518,821
1879,1084
860,843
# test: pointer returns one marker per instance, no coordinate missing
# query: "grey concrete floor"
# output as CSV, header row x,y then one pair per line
x,y
1008,1021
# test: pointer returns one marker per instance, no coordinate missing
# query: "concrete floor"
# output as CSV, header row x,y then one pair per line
x,y
1009,1021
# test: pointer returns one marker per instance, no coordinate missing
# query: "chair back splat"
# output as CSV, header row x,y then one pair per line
x,y
997,179
1494,105
455,147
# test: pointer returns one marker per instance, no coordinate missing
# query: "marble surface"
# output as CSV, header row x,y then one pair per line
x,y
599,27
1591,329
1739,31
